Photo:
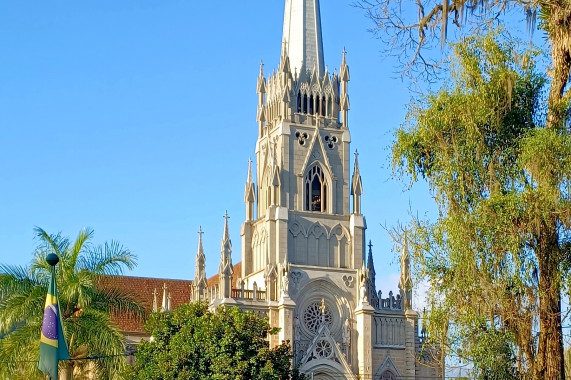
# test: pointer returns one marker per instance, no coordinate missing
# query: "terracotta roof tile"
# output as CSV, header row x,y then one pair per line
x,y
142,288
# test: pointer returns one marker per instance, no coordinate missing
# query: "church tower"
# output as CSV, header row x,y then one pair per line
x,y
304,245
303,238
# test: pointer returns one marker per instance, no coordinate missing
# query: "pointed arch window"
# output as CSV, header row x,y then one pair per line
x,y
315,190
304,103
298,102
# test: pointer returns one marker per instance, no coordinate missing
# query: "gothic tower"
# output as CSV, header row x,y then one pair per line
x,y
304,245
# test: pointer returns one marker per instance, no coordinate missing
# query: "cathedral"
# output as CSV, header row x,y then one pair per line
x,y
305,264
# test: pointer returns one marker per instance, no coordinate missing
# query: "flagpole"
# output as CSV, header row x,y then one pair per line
x,y
53,346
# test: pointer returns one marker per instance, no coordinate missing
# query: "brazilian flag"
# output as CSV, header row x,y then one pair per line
x,y
52,341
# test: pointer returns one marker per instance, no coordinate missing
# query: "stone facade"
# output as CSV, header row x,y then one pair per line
x,y
303,239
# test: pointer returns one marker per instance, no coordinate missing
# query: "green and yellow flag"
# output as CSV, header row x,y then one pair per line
x,y
52,341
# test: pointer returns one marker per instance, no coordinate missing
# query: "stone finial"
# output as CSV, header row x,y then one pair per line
x,y
155,307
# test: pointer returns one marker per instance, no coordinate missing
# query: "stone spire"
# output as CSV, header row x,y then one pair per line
x,y
155,307
405,281
200,272
371,265
344,78
225,270
249,194
302,36
371,281
356,186
164,304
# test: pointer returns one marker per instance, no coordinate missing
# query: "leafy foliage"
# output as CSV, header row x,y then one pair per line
x,y
85,307
494,257
193,343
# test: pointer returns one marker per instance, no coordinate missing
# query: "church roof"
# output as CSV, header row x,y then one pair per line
x,y
142,289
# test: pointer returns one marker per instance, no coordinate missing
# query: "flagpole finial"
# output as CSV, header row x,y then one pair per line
x,y
52,259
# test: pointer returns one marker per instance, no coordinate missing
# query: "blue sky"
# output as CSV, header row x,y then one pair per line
x,y
137,118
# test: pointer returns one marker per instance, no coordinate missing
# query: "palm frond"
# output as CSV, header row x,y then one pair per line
x,y
85,307
81,242
19,350
115,300
52,243
18,307
40,268
108,259
15,278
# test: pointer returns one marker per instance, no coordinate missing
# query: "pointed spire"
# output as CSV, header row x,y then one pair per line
x,y
225,270
155,306
250,179
284,60
164,304
302,34
356,186
200,270
226,235
370,263
200,251
225,246
371,281
405,281
249,193
261,88
344,69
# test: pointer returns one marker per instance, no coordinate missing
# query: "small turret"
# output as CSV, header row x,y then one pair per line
x,y
356,187
200,273
225,270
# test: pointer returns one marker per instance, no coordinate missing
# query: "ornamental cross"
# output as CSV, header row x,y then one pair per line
x,y
322,309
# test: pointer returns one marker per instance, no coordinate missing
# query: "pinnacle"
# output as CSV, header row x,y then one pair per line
x,y
226,236
250,179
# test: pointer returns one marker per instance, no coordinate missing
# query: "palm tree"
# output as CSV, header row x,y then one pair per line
x,y
86,307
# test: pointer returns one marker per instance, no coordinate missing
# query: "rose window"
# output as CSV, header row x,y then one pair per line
x,y
323,349
313,317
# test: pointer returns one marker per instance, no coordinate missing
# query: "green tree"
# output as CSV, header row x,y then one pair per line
x,y
410,29
193,343
497,255
85,307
